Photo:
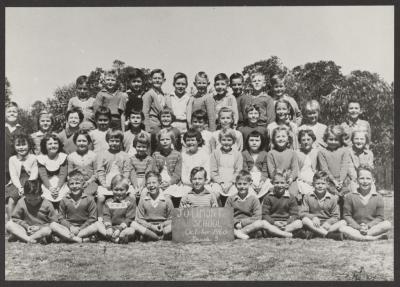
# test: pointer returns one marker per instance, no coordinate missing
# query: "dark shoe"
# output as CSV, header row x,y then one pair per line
x,y
55,239
93,238
300,233
338,236
124,240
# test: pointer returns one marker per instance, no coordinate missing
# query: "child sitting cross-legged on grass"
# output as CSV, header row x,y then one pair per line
x,y
246,207
280,212
32,215
153,214
363,210
320,210
119,212
78,212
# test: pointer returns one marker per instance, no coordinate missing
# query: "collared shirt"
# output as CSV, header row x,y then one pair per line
x,y
190,161
358,209
280,208
366,157
147,213
365,198
110,100
319,131
82,212
349,127
30,165
179,105
117,212
12,128
246,210
204,198
27,215
325,208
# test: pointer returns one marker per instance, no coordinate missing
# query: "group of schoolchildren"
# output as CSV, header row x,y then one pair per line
x,y
125,159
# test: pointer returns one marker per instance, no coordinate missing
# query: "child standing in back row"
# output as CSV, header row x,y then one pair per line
x,y
223,99
353,122
82,101
178,102
279,92
236,83
259,97
202,100
136,80
154,101
12,128
111,97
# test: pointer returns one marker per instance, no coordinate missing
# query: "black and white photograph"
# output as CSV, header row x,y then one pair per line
x,y
213,143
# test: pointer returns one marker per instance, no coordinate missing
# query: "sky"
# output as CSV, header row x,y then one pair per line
x,y
49,47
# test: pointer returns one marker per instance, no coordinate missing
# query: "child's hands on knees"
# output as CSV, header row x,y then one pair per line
x,y
109,232
54,191
74,230
364,229
326,226
32,229
316,222
123,225
238,225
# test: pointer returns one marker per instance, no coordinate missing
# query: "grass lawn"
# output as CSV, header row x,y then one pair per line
x,y
256,259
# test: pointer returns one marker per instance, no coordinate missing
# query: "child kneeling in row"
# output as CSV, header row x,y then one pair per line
x,y
78,212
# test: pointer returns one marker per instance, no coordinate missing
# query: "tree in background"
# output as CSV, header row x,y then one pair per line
x,y
269,68
8,92
324,82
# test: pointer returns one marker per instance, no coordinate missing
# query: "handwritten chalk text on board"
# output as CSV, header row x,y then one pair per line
x,y
202,224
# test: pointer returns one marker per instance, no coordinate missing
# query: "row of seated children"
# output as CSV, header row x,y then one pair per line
x,y
223,164
35,220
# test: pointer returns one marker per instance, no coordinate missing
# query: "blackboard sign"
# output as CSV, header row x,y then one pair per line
x,y
202,224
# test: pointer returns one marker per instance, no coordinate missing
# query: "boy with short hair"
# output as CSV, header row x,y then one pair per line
x,y
119,212
82,101
280,212
32,215
198,196
202,100
154,101
320,211
110,163
78,213
246,207
178,102
353,121
12,128
110,96
153,214
363,210
259,97
236,81
98,135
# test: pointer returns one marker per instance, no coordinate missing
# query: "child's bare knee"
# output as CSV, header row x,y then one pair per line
x,y
101,198
46,230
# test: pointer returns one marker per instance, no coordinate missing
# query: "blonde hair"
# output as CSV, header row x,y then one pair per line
x,y
227,133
